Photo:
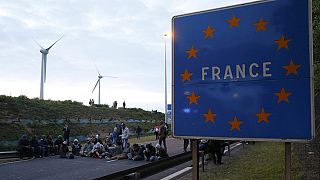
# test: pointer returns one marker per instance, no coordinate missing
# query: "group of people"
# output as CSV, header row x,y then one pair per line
x,y
215,149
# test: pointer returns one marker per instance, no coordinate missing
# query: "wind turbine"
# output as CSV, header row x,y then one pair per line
x,y
98,82
44,53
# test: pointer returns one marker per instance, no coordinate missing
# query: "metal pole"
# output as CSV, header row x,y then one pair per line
x,y
195,160
165,78
99,93
287,161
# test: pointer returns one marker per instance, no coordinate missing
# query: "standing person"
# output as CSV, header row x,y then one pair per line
x,y
124,135
156,132
124,104
185,144
66,133
215,149
163,135
115,134
138,131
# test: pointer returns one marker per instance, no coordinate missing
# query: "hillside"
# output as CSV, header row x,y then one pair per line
x,y
21,107
21,115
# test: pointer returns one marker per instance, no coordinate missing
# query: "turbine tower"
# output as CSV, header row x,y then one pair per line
x,y
44,53
98,82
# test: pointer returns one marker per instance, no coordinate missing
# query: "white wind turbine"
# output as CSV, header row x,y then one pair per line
x,y
98,82
44,53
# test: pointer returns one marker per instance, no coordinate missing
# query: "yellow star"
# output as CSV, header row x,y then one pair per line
x,y
261,25
282,42
292,68
283,95
209,116
263,116
193,98
235,124
233,21
186,75
192,53
208,32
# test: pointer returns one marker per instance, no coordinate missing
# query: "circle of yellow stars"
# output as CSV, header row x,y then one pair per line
x,y
282,95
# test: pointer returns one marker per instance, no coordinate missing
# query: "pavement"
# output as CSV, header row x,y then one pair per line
x,y
54,167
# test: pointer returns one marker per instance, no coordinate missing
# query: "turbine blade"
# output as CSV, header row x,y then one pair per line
x,y
95,85
37,43
54,43
44,68
110,76
97,69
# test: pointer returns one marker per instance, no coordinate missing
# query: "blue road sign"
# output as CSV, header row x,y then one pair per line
x,y
244,72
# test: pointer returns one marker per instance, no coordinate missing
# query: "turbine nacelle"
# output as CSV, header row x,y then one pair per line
x,y
44,51
100,76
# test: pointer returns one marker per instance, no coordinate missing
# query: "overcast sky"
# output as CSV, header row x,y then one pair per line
x,y
123,38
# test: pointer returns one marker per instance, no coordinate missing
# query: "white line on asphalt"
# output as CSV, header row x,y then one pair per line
x,y
179,173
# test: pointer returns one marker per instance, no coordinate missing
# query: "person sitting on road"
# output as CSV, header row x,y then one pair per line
x,y
123,155
161,152
64,150
24,147
108,141
98,151
43,144
87,149
136,152
35,146
57,144
76,147
50,146
97,139
150,152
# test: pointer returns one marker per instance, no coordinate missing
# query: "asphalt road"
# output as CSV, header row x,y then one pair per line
x,y
79,168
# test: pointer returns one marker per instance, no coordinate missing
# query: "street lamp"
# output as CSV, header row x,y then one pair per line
x,y
165,78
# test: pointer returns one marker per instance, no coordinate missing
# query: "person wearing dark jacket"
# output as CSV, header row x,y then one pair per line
x,y
57,144
34,146
163,135
150,152
43,144
64,150
66,133
24,147
215,148
161,152
136,152
50,145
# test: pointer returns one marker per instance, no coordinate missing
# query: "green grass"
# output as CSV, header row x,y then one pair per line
x,y
144,139
264,160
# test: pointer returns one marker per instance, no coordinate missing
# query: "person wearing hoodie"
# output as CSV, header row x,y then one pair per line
x,y
161,152
76,147
98,151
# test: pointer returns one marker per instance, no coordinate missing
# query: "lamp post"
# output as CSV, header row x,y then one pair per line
x,y
165,78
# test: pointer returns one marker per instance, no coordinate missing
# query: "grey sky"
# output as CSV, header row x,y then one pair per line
x,y
123,38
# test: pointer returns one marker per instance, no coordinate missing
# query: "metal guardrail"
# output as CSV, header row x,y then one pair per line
x,y
149,168
9,154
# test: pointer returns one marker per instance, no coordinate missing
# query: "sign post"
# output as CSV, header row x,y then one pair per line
x,y
287,166
244,73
